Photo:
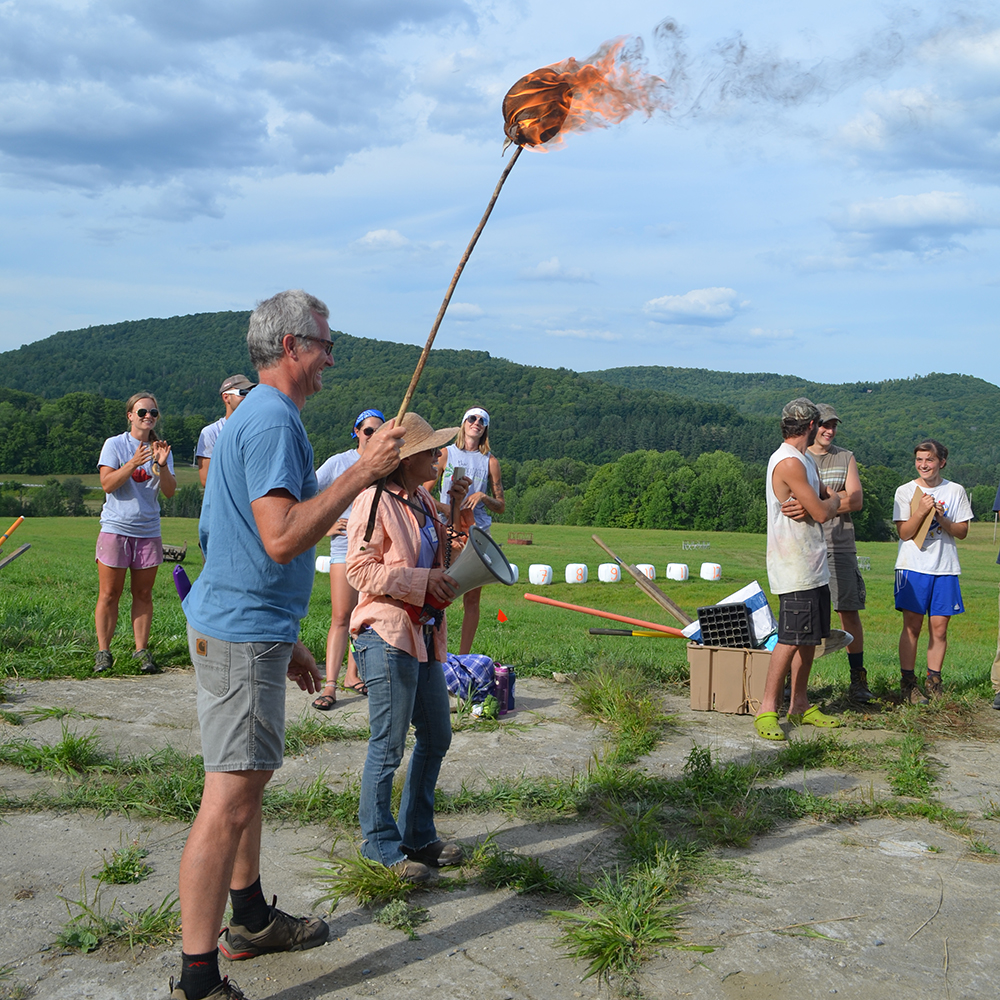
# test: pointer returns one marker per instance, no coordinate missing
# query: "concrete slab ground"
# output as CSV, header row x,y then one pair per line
x,y
864,910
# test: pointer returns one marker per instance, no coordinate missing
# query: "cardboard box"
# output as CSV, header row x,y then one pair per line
x,y
728,680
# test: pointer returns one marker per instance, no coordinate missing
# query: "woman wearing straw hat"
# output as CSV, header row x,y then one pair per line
x,y
399,646
471,451
134,467
343,597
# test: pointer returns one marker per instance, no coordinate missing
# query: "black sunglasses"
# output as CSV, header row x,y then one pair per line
x,y
327,344
140,413
475,419
368,431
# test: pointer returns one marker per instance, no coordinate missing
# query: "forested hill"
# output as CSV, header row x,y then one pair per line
x,y
882,421
60,397
539,413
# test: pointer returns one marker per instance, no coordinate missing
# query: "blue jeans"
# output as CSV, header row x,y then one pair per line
x,y
401,690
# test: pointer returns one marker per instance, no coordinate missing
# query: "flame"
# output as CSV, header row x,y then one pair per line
x,y
572,97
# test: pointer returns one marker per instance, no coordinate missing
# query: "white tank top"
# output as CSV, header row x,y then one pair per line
x,y
477,468
796,550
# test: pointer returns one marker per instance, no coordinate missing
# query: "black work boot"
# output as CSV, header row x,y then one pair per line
x,y
858,690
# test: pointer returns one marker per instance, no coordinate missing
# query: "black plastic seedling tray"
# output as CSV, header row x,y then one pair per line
x,y
726,625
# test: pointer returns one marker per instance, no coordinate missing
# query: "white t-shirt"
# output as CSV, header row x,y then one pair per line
x,y
939,554
334,466
206,439
477,468
133,509
796,550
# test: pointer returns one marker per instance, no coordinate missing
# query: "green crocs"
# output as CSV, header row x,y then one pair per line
x,y
767,726
814,717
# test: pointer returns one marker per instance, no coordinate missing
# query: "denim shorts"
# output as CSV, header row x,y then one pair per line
x,y
804,617
126,552
924,594
241,701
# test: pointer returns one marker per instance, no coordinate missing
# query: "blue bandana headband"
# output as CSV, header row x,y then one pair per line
x,y
363,416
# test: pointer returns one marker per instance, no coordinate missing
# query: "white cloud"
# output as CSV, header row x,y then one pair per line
x,y
382,239
552,270
465,311
585,334
920,223
700,307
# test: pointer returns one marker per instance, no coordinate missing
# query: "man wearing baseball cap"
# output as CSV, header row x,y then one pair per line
x,y
797,505
838,472
232,391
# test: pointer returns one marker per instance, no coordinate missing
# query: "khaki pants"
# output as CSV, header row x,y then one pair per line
x,y
995,672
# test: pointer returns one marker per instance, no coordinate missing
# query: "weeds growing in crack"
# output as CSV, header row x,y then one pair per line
x,y
402,916
911,774
126,865
624,917
93,926
367,881
623,701
501,869
73,754
311,731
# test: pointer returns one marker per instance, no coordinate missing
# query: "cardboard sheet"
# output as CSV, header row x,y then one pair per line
x,y
918,538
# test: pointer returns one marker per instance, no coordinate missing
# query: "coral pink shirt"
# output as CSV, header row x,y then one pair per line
x,y
384,572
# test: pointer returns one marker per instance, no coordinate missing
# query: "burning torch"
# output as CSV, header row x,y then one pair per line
x,y
565,97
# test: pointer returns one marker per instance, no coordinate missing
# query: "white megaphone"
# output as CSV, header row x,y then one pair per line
x,y
480,563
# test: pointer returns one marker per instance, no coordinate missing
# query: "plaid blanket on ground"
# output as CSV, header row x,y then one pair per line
x,y
468,676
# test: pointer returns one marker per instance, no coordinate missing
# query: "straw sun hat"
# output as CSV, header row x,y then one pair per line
x,y
420,436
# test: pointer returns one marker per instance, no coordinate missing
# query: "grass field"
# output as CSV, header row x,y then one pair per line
x,y
47,604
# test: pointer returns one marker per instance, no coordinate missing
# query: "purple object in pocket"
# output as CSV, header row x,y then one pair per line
x,y
181,582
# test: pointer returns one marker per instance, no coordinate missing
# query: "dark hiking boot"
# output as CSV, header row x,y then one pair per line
x,y
411,871
933,688
227,988
858,691
103,661
283,933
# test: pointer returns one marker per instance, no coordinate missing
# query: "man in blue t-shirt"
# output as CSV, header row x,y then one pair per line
x,y
260,522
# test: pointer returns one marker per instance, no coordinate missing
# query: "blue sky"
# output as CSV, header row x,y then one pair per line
x,y
824,205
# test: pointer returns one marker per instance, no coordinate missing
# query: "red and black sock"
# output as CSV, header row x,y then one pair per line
x,y
199,974
250,909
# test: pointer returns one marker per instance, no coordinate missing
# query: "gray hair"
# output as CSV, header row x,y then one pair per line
x,y
286,313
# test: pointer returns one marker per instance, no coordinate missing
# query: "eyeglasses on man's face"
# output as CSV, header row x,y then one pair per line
x,y
327,344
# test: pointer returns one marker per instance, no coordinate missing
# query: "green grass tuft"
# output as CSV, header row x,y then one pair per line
x,y
367,881
402,916
125,866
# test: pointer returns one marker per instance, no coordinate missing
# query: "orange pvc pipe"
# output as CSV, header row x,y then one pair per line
x,y
10,531
666,629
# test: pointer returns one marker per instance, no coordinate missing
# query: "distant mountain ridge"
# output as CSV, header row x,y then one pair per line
x,y
539,413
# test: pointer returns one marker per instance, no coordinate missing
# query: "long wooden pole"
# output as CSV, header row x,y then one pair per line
x,y
404,406
425,353
654,626
648,587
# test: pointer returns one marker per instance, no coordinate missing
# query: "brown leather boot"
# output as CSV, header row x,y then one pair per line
x,y
933,688
910,690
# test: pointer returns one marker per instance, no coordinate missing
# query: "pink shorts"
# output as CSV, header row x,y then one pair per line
x,y
126,552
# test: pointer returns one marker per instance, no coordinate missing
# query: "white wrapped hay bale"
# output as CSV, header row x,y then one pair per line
x,y
609,573
677,571
322,564
539,574
648,570
576,572
711,571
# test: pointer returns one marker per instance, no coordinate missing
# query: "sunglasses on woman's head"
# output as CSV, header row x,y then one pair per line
x,y
140,413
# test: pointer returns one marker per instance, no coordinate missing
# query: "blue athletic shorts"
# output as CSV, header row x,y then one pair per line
x,y
924,594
